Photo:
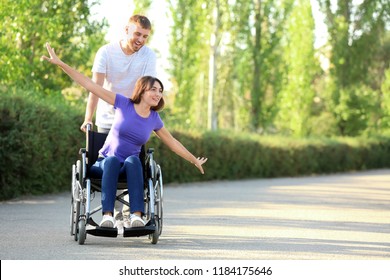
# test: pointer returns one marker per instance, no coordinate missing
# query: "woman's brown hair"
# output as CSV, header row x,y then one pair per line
x,y
143,84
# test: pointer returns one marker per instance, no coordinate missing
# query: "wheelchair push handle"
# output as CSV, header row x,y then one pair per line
x,y
88,127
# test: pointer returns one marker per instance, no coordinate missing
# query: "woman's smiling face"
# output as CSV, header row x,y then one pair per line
x,y
153,95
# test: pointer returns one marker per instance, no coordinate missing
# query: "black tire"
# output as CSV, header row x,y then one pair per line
x,y
159,200
76,214
155,235
75,204
158,207
81,231
72,206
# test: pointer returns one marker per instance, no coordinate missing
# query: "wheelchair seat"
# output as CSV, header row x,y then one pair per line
x,y
95,140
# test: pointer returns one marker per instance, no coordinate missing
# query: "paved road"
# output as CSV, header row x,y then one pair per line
x,y
342,217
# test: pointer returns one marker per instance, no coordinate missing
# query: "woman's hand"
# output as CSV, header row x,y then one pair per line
x,y
53,57
199,162
79,78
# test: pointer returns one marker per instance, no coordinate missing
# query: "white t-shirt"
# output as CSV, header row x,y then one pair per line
x,y
121,72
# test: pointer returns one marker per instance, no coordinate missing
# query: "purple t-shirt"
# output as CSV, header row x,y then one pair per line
x,y
129,130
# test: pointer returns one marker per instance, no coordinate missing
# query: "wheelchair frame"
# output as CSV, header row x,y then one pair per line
x,y
83,187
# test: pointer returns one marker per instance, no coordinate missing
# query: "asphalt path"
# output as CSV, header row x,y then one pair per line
x,y
330,217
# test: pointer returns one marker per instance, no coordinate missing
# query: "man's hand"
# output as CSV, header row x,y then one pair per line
x,y
83,127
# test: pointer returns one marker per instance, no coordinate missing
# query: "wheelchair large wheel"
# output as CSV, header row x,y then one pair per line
x,y
75,204
72,206
81,229
158,206
159,199
75,213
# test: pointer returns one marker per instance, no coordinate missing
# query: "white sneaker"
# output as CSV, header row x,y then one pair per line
x,y
126,222
136,221
107,221
119,226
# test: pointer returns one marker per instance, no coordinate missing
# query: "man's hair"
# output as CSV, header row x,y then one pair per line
x,y
143,21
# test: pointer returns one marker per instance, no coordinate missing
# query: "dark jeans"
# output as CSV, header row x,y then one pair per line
x,y
110,168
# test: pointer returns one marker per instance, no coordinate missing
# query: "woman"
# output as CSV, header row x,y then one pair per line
x,y
135,119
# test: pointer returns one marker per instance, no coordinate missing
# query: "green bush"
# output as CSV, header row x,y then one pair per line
x,y
235,156
40,139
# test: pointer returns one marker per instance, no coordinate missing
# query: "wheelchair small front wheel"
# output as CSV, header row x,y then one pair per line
x,y
81,231
156,234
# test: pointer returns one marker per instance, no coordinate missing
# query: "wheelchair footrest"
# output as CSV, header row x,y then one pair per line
x,y
139,231
100,231
94,229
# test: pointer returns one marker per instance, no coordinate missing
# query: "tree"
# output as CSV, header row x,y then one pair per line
x,y
252,62
142,6
189,52
266,59
355,32
28,24
386,100
297,95
213,60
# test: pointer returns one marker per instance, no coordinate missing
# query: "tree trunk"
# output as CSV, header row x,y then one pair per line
x,y
212,122
256,88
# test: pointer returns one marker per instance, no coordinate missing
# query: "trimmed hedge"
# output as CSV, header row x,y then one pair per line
x,y
40,140
238,156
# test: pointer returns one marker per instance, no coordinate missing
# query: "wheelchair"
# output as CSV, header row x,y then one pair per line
x,y
84,187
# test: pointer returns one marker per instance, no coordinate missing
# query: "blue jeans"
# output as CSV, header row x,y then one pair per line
x,y
110,168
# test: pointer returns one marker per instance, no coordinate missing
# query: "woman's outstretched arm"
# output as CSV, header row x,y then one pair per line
x,y
167,138
79,78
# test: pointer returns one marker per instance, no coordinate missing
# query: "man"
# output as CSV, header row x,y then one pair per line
x,y
117,67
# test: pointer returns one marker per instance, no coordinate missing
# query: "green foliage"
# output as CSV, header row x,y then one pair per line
x,y
270,19
189,57
267,78
39,139
386,99
297,96
356,39
28,24
234,156
355,108
142,6
243,37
